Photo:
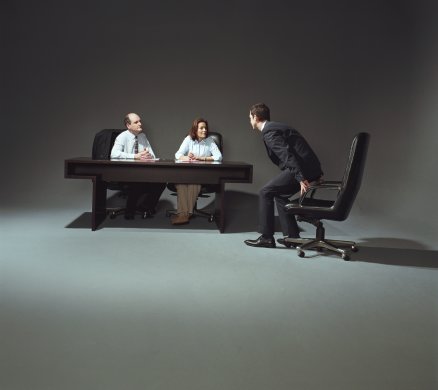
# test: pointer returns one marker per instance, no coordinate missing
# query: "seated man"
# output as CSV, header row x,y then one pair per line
x,y
133,144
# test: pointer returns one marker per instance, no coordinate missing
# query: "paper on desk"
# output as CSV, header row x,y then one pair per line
x,y
197,162
132,159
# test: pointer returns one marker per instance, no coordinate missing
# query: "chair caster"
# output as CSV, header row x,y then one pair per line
x,y
345,257
301,253
354,248
147,214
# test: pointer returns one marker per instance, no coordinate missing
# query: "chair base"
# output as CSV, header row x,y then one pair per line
x,y
342,248
114,212
320,243
196,212
211,217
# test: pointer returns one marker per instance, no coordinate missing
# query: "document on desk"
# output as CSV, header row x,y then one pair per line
x,y
133,159
196,162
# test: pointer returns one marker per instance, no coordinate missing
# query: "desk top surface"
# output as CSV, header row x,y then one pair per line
x,y
160,162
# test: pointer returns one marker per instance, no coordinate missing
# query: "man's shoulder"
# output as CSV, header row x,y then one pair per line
x,y
123,133
277,126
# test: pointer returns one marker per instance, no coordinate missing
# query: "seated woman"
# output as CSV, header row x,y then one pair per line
x,y
195,147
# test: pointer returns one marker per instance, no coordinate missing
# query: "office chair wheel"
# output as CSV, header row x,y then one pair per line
x,y
301,253
354,248
345,257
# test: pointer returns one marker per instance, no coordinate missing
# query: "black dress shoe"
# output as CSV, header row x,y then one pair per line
x,y
261,242
282,241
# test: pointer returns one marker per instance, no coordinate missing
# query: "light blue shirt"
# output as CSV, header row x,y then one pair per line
x,y
124,145
204,148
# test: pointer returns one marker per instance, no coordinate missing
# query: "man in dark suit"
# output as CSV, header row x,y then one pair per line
x,y
299,166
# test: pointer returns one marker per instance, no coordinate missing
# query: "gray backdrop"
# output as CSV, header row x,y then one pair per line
x,y
330,69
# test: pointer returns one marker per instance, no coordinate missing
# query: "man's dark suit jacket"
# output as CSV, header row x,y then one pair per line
x,y
288,149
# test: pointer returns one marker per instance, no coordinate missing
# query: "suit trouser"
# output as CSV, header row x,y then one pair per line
x,y
187,196
280,189
151,191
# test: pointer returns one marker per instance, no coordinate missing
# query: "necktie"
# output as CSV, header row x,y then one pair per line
x,y
135,145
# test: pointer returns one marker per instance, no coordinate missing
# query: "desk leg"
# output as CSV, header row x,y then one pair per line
x,y
98,211
220,208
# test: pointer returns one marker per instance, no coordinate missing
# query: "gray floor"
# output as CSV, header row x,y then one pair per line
x,y
142,305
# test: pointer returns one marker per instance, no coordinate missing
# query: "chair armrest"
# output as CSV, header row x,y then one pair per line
x,y
330,182
327,185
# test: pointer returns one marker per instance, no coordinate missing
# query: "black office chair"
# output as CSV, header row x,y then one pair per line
x,y
102,145
206,189
309,209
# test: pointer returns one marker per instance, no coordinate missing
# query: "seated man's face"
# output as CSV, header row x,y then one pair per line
x,y
135,125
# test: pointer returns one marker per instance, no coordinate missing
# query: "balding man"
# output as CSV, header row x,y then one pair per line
x,y
133,144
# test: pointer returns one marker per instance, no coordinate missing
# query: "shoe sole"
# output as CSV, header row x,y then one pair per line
x,y
260,246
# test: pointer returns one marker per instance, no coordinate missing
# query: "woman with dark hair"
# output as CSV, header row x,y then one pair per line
x,y
197,146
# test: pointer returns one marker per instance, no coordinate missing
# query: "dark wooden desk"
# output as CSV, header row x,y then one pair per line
x,y
162,171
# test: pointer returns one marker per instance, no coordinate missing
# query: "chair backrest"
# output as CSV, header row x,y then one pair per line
x,y
352,179
217,137
103,143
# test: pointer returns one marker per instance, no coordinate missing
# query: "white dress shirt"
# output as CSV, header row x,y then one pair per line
x,y
124,145
203,148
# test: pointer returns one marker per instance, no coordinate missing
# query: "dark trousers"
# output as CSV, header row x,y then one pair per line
x,y
280,189
151,192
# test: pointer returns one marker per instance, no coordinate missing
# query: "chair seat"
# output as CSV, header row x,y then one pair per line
x,y
310,202
311,209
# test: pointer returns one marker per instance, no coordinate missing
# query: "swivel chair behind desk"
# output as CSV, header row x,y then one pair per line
x,y
102,145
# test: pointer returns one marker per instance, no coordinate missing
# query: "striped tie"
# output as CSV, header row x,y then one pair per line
x,y
135,145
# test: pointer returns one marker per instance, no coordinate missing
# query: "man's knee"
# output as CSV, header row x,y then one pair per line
x,y
267,192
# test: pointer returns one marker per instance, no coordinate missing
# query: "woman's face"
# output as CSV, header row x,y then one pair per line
x,y
202,130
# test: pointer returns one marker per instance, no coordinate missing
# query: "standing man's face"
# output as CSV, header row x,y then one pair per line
x,y
135,125
253,121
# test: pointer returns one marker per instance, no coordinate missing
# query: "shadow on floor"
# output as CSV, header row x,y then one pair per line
x,y
393,251
388,251
159,221
240,216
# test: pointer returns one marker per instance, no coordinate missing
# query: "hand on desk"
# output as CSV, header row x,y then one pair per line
x,y
193,157
144,155
189,157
